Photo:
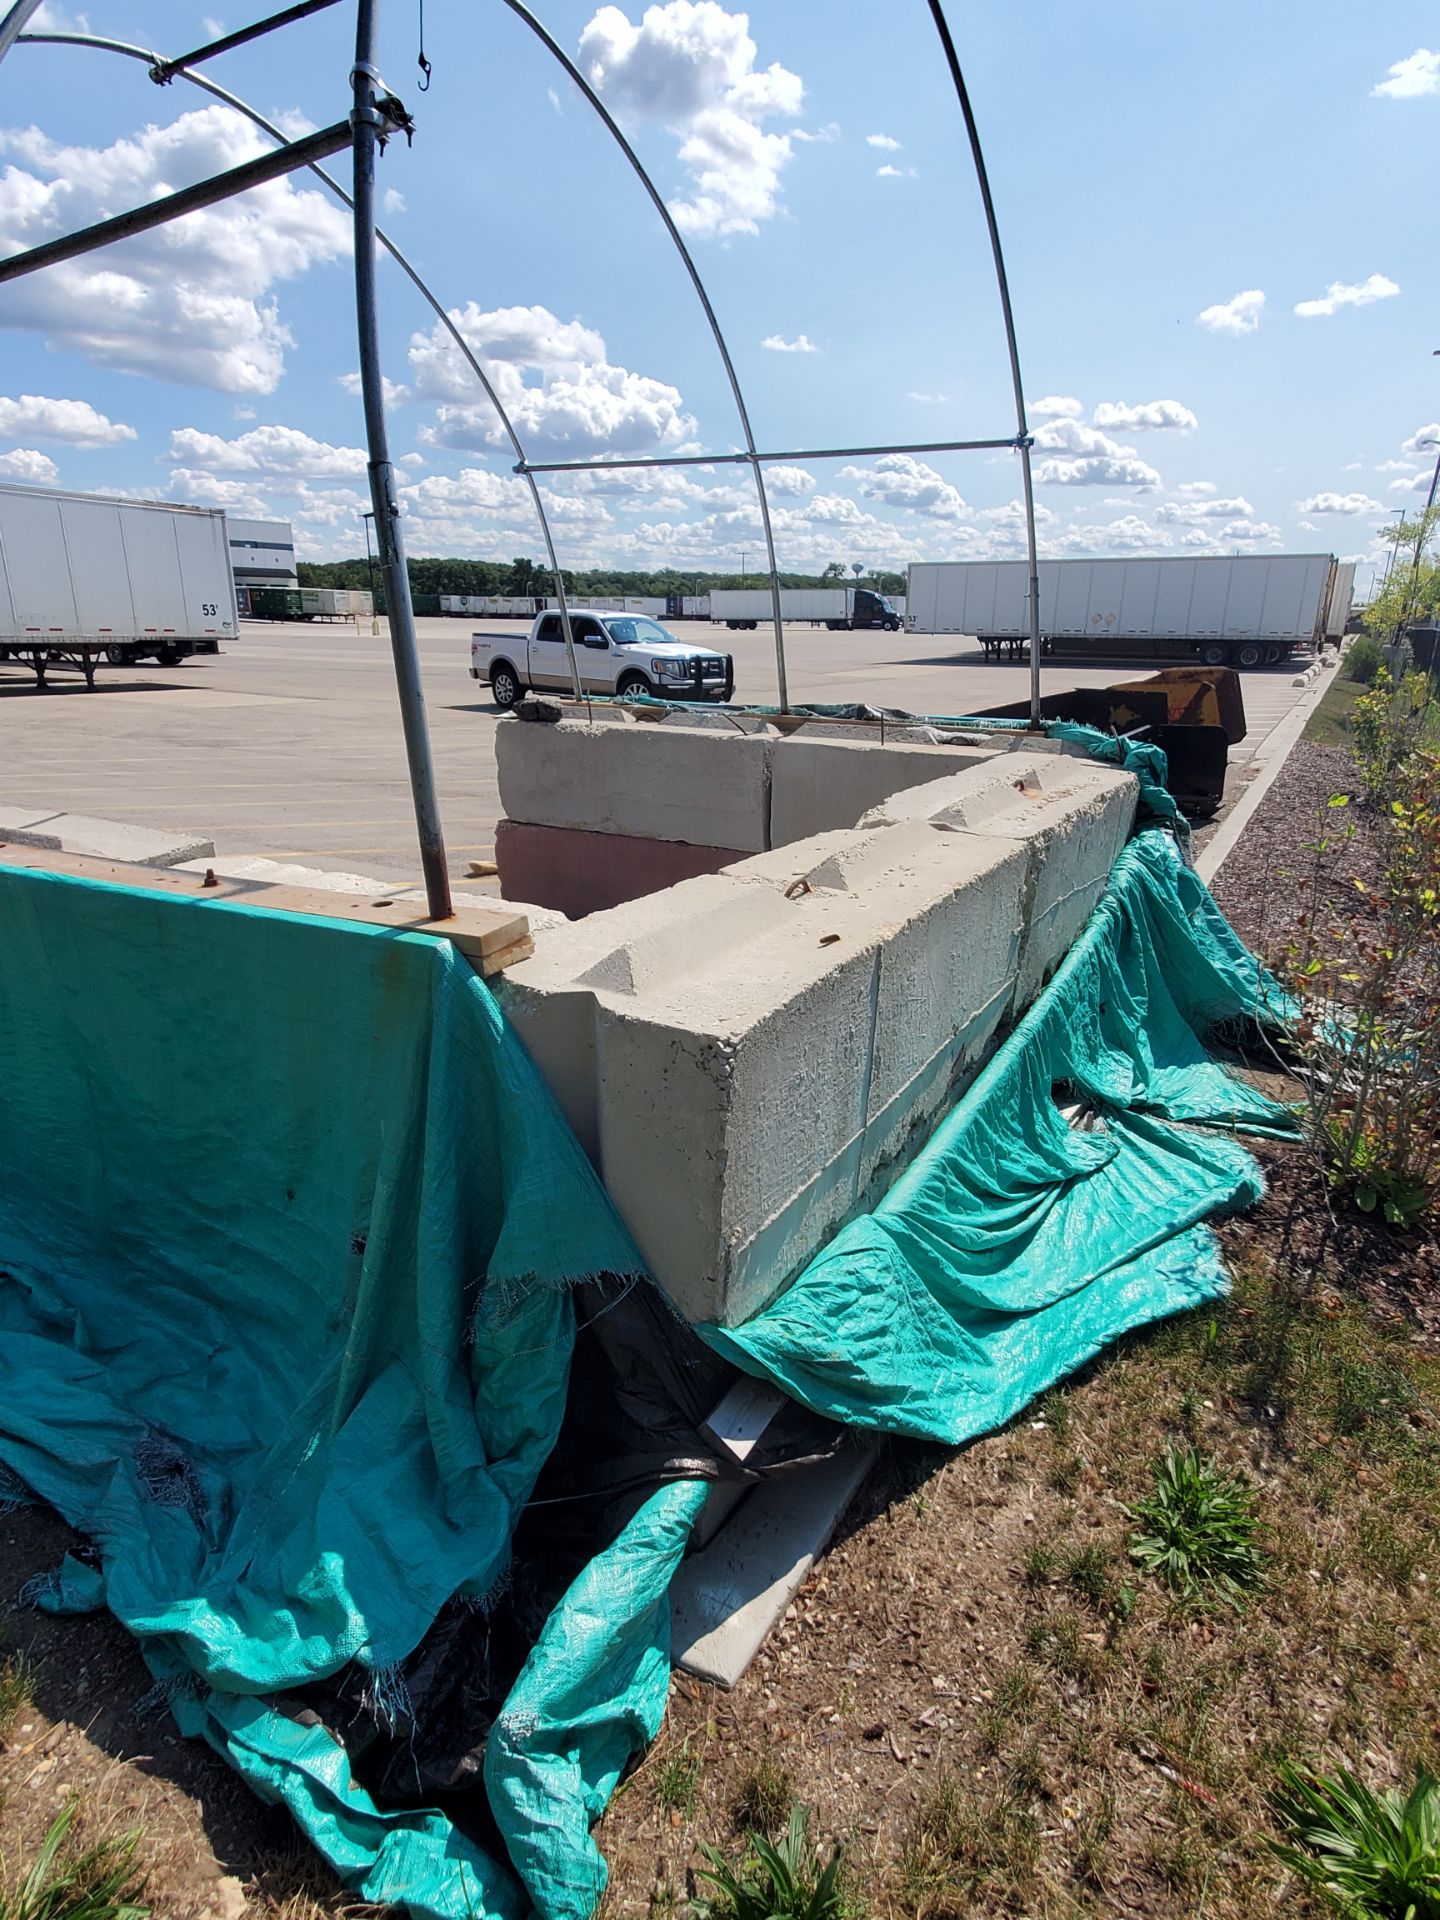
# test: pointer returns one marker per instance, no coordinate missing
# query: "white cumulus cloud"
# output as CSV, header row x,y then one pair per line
x,y
690,65
1081,456
1338,295
888,172
276,450
34,417
1416,74
900,480
883,141
1157,414
29,468
1423,440
1238,315
1195,489
1191,512
1128,534
777,343
791,483
192,301
1056,406
555,380
1339,503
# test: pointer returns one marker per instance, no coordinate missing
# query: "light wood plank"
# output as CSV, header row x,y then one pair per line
x,y
490,937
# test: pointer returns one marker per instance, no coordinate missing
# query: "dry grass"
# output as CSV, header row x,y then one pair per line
x,y
1120,1744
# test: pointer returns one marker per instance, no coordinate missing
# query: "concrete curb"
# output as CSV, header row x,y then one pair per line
x,y
102,839
1270,757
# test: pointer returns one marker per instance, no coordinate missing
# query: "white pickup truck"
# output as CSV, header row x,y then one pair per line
x,y
618,653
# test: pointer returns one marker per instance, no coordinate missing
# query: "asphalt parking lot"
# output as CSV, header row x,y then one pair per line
x,y
288,744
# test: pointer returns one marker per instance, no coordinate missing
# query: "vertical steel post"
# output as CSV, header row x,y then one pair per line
x,y
367,122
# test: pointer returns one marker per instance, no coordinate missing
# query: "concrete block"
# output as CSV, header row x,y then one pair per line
x,y
577,873
104,839
747,1055
1073,815
819,784
709,789
726,1597
724,1010
555,1016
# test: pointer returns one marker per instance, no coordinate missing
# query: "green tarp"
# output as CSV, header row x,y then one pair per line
x,y
287,1229
1016,1245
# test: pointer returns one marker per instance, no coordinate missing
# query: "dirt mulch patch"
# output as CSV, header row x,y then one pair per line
x,y
1267,883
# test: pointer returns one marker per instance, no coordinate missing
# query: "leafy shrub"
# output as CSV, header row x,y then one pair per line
x,y
1372,1853
1387,724
782,1881
1363,661
1196,1531
1370,1028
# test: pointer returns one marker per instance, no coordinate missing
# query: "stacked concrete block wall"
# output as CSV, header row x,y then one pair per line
x,y
600,812
747,1054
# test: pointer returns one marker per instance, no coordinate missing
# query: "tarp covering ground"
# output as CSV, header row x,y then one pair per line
x,y
288,1232
287,1223
1018,1243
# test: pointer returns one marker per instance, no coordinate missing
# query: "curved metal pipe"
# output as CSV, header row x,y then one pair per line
x,y
547,39
229,99
1023,440
13,25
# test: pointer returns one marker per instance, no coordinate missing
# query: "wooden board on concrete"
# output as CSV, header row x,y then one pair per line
x,y
489,938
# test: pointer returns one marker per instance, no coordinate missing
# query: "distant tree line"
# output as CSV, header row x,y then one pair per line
x,y
522,576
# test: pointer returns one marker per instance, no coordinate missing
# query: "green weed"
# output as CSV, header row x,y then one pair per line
x,y
1371,1853
676,1781
765,1791
1196,1531
782,1880
98,1883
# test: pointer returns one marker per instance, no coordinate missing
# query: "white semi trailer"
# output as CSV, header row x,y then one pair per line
x,y
835,607
1245,611
84,577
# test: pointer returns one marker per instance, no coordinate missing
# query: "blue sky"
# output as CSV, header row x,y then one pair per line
x,y
1157,170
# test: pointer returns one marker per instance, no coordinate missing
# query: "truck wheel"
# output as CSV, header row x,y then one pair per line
x,y
117,656
1214,655
1273,654
504,686
1249,655
631,684
168,656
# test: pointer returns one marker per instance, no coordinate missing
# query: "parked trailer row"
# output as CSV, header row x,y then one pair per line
x,y
1244,610
308,603
833,607
84,577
